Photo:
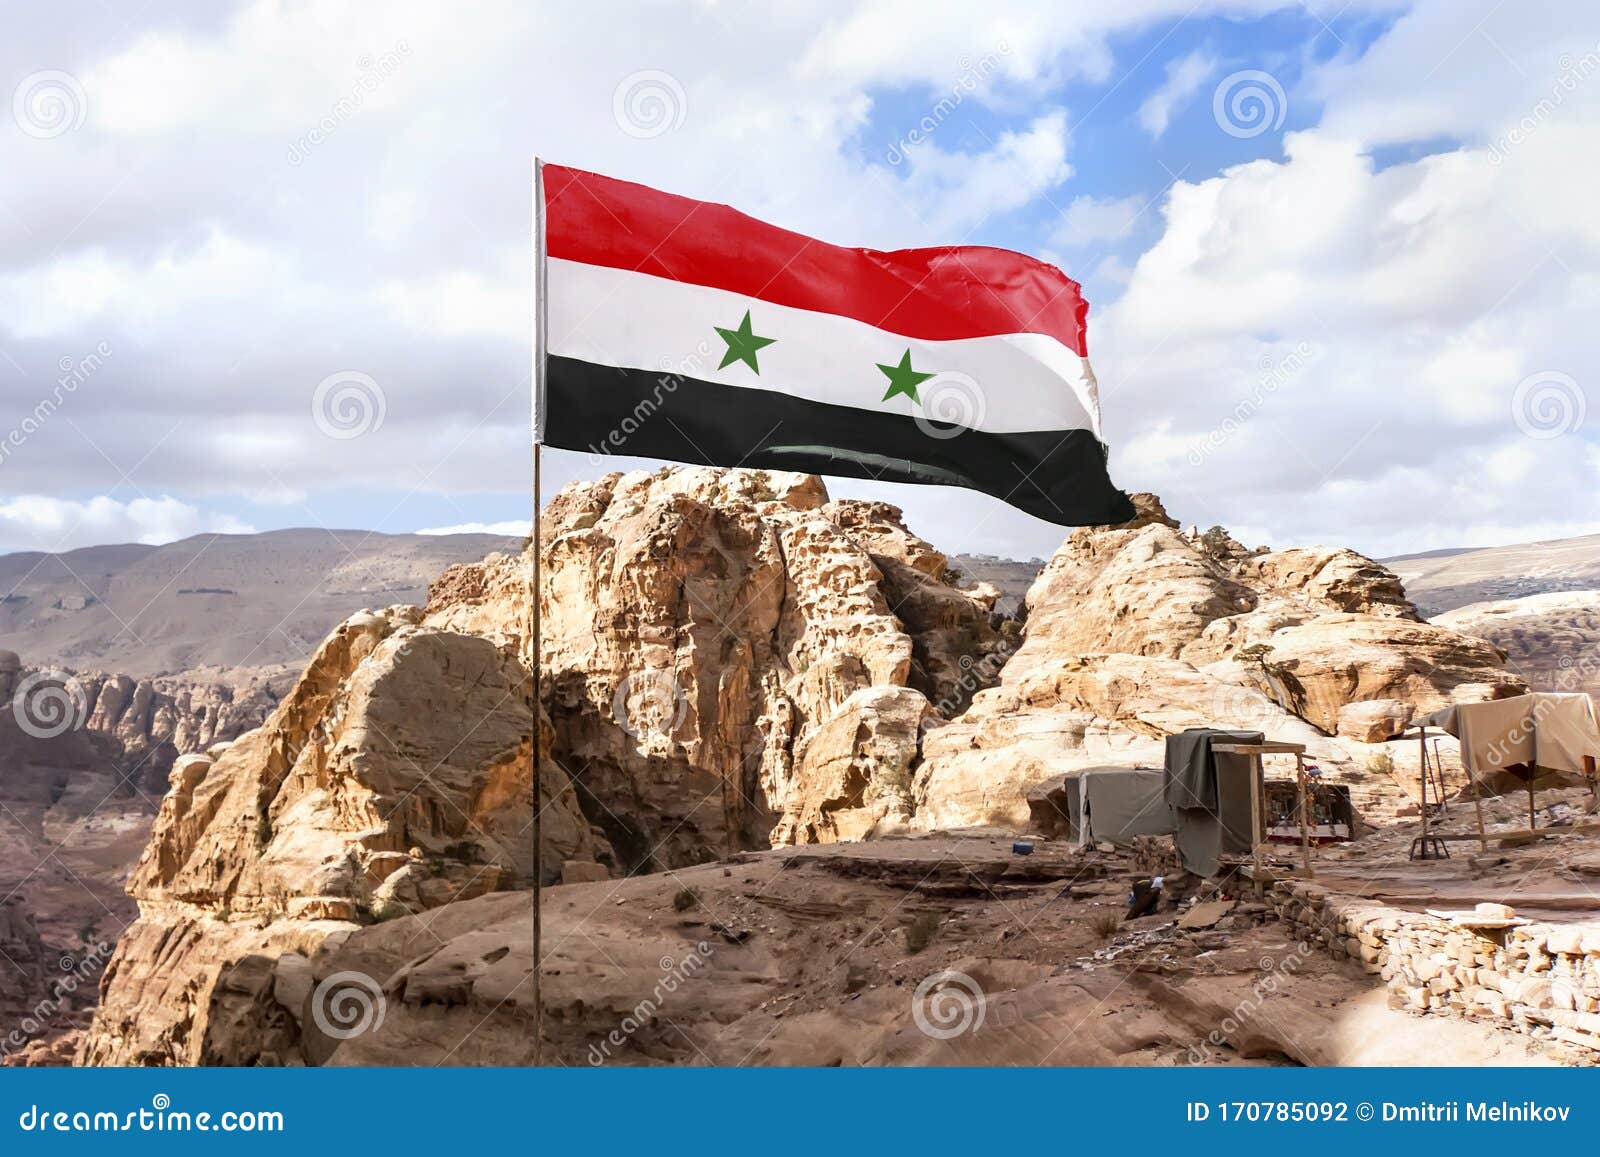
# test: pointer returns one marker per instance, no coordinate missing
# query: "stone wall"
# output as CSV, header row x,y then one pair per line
x,y
1536,978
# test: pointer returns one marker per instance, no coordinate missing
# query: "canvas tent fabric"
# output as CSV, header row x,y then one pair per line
x,y
1210,793
1191,773
1115,804
1548,730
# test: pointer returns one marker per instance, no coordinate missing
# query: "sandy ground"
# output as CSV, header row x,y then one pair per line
x,y
812,956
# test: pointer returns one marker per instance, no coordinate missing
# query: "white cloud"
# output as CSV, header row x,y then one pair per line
x,y
1185,75
515,527
38,522
1423,293
229,281
1095,221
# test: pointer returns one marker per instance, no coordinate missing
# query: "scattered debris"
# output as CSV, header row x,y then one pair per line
x,y
1205,915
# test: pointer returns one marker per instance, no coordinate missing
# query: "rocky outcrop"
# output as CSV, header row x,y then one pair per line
x,y
1552,640
1137,631
151,721
392,779
728,660
700,627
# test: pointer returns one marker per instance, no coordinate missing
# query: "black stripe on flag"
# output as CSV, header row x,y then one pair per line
x,y
1057,475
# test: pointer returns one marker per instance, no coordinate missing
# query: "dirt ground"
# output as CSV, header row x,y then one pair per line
x,y
944,949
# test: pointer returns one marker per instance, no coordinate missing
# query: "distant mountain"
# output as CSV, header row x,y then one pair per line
x,y
1012,576
1442,580
214,600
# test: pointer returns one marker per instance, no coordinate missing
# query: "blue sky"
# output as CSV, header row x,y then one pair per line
x,y
1364,323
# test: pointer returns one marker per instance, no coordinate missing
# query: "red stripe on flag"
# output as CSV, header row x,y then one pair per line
x,y
947,293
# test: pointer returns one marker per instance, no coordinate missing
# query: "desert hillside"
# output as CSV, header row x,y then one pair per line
x,y
1440,581
215,600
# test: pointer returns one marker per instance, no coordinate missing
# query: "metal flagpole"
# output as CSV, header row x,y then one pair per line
x,y
535,758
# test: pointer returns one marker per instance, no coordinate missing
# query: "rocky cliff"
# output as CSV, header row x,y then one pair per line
x,y
1137,631
729,661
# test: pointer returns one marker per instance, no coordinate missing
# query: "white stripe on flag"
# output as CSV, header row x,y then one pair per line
x,y
1003,384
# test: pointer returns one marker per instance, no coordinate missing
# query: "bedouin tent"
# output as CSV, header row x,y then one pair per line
x,y
1114,804
1212,795
1091,805
1540,735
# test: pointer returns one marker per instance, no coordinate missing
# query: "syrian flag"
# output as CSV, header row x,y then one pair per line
x,y
681,329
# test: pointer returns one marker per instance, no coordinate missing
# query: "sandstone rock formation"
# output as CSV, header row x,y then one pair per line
x,y
701,627
1552,640
728,659
1137,631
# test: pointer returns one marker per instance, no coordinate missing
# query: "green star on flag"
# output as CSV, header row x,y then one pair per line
x,y
903,379
742,344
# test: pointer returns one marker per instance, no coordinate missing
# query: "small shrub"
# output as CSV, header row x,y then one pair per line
x,y
389,910
1105,924
1381,762
685,899
920,932
263,830
1215,542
